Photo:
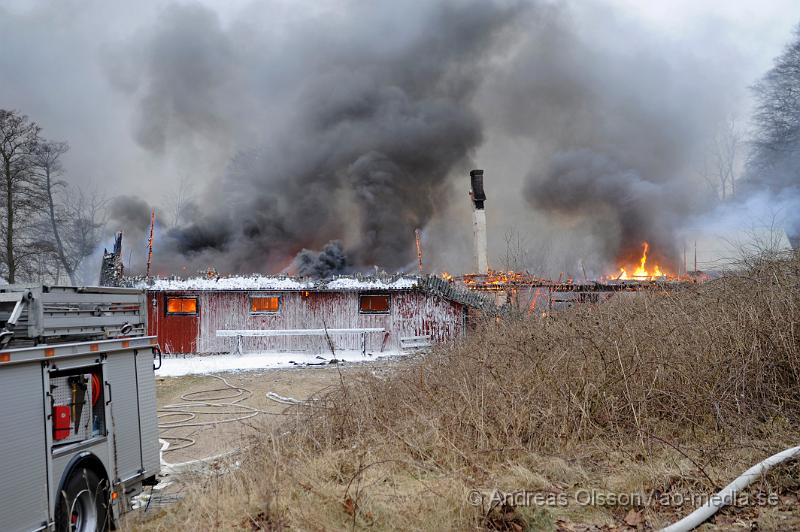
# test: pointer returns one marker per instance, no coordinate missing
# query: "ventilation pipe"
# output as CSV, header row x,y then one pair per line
x,y
479,221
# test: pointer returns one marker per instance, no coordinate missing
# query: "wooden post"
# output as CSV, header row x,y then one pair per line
x,y
150,242
685,264
417,237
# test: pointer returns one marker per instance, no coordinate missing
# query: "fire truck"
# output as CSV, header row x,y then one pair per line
x,y
78,428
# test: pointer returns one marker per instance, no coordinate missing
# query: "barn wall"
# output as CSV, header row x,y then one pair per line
x,y
411,314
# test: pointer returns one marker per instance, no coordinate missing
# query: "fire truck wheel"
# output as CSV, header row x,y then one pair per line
x,y
83,503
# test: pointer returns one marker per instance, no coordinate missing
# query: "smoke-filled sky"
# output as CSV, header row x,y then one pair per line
x,y
293,124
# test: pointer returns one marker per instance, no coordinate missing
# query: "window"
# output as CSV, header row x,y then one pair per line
x,y
182,305
374,304
265,304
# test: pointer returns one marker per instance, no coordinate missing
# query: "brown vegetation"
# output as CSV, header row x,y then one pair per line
x,y
659,394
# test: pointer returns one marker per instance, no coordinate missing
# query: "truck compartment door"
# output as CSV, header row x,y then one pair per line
x,y
23,448
148,418
123,425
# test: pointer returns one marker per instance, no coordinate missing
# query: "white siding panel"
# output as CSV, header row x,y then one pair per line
x,y
411,314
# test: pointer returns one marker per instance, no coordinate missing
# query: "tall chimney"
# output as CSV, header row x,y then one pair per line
x,y
479,221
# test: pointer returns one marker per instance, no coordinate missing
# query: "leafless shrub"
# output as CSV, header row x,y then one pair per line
x,y
664,391
721,357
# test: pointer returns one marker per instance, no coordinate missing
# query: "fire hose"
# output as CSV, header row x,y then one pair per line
x,y
729,492
206,402
199,403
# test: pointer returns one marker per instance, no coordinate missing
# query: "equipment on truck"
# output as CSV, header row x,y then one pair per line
x,y
77,384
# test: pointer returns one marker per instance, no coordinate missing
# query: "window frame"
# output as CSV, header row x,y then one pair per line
x,y
196,306
256,295
388,306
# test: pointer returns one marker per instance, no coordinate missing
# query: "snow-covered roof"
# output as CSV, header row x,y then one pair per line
x,y
259,282
350,283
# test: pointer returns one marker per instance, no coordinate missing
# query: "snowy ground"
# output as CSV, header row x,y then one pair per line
x,y
178,365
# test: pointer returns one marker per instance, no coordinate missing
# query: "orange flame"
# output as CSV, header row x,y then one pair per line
x,y
641,270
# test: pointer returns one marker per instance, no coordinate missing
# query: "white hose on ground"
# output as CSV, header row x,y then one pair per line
x,y
272,396
193,465
729,492
199,403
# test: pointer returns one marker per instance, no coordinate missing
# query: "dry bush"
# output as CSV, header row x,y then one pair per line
x,y
680,389
721,357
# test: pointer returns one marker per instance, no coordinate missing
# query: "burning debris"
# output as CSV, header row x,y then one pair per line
x,y
111,268
641,272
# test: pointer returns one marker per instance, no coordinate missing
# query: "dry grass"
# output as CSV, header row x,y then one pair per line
x,y
659,393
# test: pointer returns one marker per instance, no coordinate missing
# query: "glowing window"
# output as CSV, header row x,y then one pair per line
x,y
374,304
264,304
181,305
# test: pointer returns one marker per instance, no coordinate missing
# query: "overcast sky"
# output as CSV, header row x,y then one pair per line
x,y
52,65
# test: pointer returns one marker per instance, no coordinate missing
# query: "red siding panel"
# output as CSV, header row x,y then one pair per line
x,y
176,333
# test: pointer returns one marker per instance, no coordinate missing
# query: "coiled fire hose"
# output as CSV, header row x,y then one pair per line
x,y
215,401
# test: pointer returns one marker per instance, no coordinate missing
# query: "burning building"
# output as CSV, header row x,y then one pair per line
x,y
528,292
221,315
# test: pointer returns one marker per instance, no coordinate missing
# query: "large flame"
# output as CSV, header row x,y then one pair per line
x,y
641,271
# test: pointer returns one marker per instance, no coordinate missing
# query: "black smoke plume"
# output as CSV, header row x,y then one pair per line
x,y
349,124
352,136
324,264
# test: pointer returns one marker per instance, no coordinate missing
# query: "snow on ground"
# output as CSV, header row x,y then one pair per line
x,y
177,365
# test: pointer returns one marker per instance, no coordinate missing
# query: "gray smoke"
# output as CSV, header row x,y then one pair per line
x,y
324,264
357,138
128,213
300,124
617,134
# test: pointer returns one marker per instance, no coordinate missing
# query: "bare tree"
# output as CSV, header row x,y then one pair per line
x,y
516,255
178,201
47,160
721,161
727,142
21,195
775,158
84,218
